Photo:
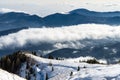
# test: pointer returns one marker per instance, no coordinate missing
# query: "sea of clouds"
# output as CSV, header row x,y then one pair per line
x,y
62,37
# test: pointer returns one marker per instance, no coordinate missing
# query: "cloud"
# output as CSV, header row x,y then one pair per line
x,y
63,37
6,10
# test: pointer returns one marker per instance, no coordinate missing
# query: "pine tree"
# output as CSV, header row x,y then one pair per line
x,y
12,67
52,68
71,73
31,70
27,65
8,64
50,57
34,53
78,68
17,63
46,78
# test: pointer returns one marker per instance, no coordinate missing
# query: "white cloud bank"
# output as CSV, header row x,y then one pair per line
x,y
60,37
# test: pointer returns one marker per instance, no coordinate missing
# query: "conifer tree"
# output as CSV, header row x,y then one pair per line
x,y
12,67
46,77
71,73
78,68
52,68
8,64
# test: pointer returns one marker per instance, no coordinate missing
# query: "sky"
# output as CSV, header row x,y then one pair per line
x,y
47,7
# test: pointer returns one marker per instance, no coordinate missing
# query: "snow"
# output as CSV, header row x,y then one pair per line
x,y
105,48
114,51
63,68
4,75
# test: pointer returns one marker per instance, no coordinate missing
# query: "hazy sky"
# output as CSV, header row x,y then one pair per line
x,y
46,7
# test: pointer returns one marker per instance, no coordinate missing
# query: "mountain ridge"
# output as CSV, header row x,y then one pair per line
x,y
79,16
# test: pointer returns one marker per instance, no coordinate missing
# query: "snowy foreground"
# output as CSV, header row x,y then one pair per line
x,y
4,75
48,69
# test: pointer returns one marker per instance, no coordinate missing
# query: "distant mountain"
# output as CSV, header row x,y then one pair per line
x,y
109,51
95,14
65,19
64,53
79,16
18,20
82,16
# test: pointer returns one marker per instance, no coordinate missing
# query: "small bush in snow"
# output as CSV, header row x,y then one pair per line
x,y
50,57
84,67
34,53
92,61
50,64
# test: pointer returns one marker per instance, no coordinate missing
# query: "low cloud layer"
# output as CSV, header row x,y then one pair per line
x,y
6,10
62,37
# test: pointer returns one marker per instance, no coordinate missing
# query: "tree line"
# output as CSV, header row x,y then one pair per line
x,y
12,62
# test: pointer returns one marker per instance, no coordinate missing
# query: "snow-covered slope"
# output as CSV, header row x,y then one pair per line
x,y
48,69
4,75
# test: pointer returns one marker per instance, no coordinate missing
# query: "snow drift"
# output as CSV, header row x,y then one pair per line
x,y
4,75
62,37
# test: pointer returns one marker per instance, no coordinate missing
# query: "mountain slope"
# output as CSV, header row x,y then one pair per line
x,y
18,20
61,69
94,13
39,68
82,17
